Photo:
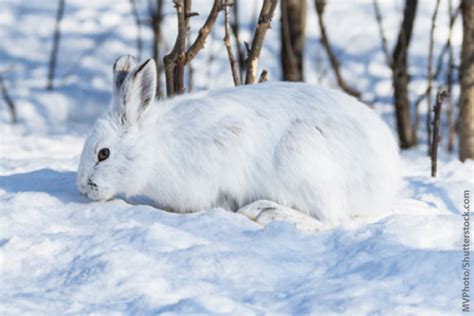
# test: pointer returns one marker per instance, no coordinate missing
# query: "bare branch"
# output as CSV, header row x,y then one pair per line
x,y
54,50
320,5
181,9
378,16
264,20
199,42
441,95
233,63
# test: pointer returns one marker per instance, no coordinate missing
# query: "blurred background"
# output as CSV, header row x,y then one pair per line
x,y
56,57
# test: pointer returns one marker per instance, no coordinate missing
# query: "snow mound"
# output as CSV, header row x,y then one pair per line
x,y
61,253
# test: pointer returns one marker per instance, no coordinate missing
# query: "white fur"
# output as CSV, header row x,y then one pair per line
x,y
309,148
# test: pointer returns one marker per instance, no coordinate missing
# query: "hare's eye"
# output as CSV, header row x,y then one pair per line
x,y
103,154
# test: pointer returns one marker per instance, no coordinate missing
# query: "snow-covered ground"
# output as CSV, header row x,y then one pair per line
x,y
61,253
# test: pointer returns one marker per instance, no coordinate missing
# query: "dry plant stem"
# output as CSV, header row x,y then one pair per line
x,y
320,5
8,100
233,63
264,20
54,51
378,16
263,76
441,95
133,6
430,69
236,31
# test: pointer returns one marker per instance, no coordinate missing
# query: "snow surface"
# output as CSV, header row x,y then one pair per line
x,y
61,253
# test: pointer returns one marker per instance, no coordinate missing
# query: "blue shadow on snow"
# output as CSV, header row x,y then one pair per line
x,y
61,185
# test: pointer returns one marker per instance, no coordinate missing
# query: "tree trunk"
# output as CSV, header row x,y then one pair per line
x,y
466,102
401,79
293,21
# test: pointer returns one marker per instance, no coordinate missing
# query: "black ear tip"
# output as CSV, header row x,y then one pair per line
x,y
142,66
145,63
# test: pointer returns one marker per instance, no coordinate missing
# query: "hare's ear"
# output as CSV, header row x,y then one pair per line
x,y
122,67
137,92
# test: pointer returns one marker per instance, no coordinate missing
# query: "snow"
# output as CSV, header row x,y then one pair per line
x,y
63,254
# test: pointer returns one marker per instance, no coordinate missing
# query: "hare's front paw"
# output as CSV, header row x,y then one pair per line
x,y
265,212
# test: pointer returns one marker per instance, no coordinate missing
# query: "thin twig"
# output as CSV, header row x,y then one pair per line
x,y
264,20
233,63
442,93
430,69
378,16
320,5
54,50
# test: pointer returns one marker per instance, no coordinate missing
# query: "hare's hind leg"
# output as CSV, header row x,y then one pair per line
x,y
265,212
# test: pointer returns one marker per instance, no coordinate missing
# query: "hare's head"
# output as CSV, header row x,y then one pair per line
x,y
113,153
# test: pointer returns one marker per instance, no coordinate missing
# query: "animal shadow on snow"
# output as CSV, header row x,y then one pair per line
x,y
58,184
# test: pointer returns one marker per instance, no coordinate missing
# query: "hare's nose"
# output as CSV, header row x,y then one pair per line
x,y
91,183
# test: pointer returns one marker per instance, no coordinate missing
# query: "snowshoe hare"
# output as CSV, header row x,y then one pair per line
x,y
306,148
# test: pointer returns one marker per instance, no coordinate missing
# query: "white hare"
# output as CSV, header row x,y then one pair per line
x,y
306,148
